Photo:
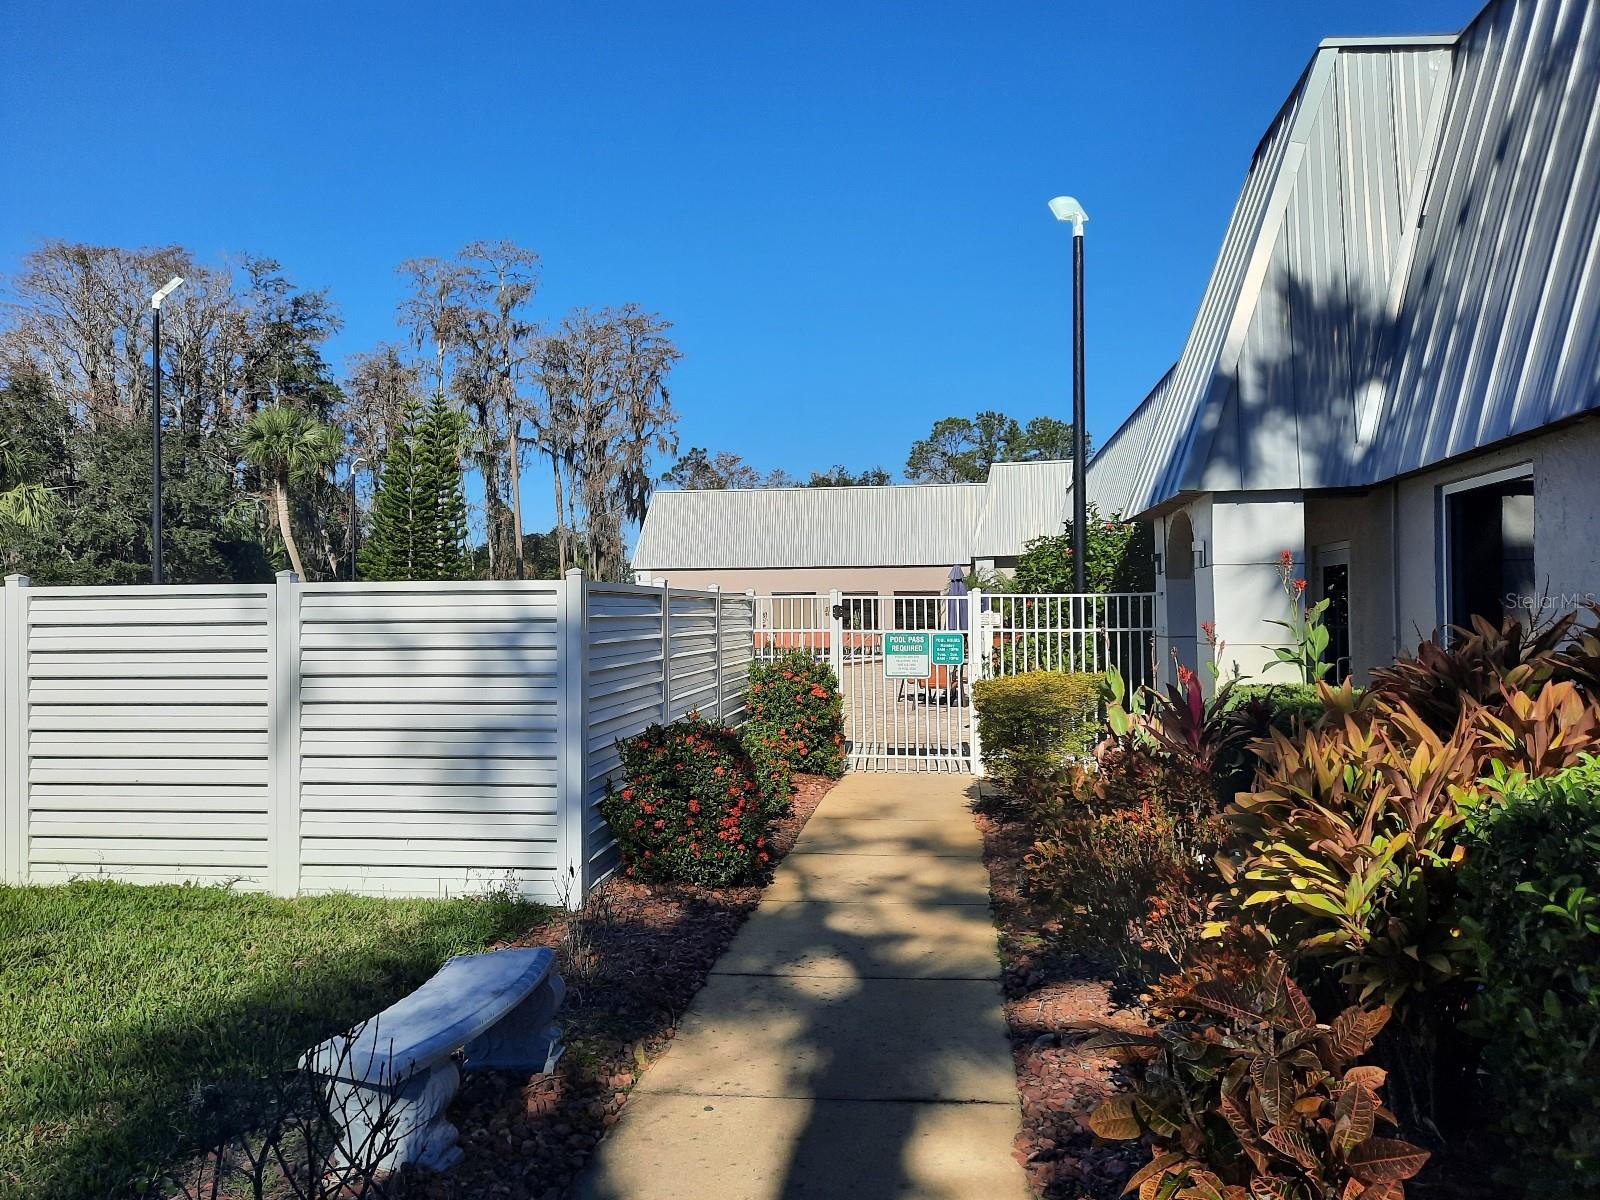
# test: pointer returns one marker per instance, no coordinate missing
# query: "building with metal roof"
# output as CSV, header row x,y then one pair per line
x,y
1395,360
901,538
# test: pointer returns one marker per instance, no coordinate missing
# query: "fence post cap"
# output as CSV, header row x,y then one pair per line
x,y
283,577
574,572
713,587
17,580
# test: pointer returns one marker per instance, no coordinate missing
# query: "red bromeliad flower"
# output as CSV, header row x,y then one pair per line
x,y
1300,586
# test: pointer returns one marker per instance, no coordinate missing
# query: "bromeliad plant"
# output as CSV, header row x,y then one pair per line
x,y
1245,1096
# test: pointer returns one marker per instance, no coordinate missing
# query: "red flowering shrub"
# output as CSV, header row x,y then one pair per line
x,y
691,809
795,710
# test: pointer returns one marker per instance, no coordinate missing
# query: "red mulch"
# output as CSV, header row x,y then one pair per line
x,y
632,960
1051,993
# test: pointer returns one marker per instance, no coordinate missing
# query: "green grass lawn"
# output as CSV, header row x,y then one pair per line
x,y
117,1000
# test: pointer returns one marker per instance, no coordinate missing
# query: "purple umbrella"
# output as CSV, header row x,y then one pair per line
x,y
956,612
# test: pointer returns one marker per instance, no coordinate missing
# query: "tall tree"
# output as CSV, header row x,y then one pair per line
x,y
419,519
495,282
289,446
839,475
699,470
959,450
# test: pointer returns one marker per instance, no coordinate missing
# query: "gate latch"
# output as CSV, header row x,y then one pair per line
x,y
838,612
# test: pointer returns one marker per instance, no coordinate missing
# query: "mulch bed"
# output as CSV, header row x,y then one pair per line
x,y
1051,992
632,960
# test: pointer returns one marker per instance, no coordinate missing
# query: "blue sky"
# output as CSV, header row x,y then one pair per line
x,y
842,206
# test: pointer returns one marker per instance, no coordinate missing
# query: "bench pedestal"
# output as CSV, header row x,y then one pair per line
x,y
389,1082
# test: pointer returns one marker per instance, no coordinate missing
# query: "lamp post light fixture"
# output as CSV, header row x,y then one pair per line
x,y
1067,209
356,464
166,290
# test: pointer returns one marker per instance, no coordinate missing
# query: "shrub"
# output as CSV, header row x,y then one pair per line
x,y
1244,1095
1355,828
1034,726
690,810
1288,706
1135,879
794,709
774,783
1531,918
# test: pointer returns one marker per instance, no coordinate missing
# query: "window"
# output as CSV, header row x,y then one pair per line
x,y
1333,585
916,610
861,611
1488,548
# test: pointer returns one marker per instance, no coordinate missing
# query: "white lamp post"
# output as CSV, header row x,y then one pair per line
x,y
167,289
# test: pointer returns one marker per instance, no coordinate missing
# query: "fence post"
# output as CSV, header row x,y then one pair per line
x,y
14,735
836,635
977,668
283,737
666,653
716,607
572,757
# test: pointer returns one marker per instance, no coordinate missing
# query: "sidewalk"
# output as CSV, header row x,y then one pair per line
x,y
850,1043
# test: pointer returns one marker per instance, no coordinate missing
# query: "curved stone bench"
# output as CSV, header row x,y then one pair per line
x,y
391,1079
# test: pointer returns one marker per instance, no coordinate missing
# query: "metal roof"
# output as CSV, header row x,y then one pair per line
x,y
910,525
1411,272
1116,462
895,526
1262,395
1021,501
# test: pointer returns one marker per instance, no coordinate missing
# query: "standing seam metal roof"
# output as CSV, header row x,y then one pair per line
x,y
897,525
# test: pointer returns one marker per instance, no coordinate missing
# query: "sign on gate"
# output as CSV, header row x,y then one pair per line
x,y
905,655
949,649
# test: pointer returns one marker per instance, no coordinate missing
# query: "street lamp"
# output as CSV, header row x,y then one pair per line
x,y
1065,208
355,516
167,289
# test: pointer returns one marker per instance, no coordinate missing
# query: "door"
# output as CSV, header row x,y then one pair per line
x,y
1333,585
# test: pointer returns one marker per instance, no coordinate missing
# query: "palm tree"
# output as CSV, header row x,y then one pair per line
x,y
24,505
288,445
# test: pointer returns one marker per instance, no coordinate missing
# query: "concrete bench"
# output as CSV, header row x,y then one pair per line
x,y
391,1079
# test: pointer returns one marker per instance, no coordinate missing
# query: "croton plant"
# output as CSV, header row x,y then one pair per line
x,y
1244,1095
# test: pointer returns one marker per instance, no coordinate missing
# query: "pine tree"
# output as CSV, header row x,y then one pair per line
x,y
438,454
419,520
391,549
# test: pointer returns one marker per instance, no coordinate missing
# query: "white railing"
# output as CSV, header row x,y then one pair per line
x,y
401,739
1070,632
927,723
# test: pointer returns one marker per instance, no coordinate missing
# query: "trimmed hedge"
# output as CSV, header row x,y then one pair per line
x,y
1530,903
1292,703
691,810
1033,726
795,712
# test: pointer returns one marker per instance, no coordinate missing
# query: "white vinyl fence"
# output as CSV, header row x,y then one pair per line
x,y
399,739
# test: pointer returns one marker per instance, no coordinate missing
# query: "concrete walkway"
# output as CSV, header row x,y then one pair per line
x,y
851,1042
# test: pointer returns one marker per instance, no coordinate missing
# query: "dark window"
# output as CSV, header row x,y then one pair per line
x,y
1336,591
861,612
916,610
1490,532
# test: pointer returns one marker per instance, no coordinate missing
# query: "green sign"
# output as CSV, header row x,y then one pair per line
x,y
949,649
905,655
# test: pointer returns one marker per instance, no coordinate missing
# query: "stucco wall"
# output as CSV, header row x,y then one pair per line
x,y
1395,581
883,581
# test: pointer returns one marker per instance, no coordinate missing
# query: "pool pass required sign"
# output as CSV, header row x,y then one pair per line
x,y
906,655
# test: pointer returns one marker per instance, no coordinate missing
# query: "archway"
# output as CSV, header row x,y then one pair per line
x,y
1178,568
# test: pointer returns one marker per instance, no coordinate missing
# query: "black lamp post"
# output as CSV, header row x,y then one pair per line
x,y
1066,208
167,289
